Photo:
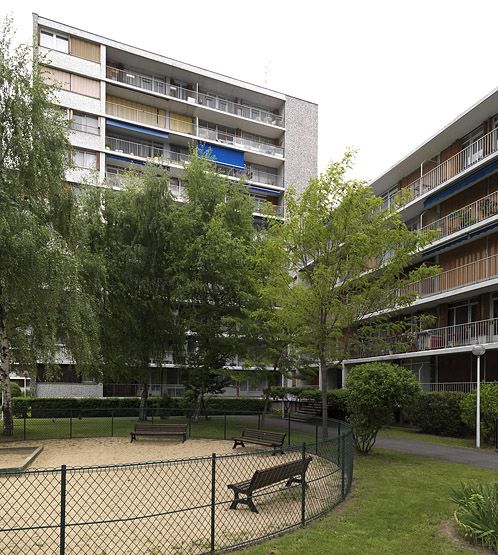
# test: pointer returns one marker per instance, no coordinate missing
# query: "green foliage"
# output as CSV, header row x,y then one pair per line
x,y
15,390
477,513
46,285
21,406
489,410
234,405
438,412
375,391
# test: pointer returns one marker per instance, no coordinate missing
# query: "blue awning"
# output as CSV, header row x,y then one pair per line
x,y
123,159
222,155
137,128
463,184
262,191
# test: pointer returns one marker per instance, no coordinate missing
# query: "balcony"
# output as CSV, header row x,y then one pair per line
x,y
142,150
241,142
153,118
475,272
268,209
158,86
460,387
471,214
480,150
484,331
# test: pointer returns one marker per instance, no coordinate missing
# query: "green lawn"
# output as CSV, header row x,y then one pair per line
x,y
216,427
396,507
413,434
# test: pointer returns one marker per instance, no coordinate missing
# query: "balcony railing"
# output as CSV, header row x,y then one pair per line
x,y
135,390
156,119
145,151
481,149
461,387
267,208
117,180
149,83
163,155
471,214
468,274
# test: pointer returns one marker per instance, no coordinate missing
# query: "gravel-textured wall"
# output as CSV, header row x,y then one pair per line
x,y
301,142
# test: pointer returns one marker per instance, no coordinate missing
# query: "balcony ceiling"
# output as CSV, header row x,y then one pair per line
x,y
459,127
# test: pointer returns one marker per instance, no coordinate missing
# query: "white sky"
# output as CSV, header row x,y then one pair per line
x,y
386,74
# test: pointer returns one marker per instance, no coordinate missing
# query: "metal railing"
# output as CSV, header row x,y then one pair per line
x,y
471,333
142,150
85,128
459,387
267,208
135,390
252,144
156,119
481,149
178,505
471,214
468,274
159,86
163,155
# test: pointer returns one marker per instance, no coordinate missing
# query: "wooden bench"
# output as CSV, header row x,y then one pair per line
x,y
263,478
261,437
159,430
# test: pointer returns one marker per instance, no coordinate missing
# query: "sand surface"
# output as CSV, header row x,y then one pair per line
x,y
151,509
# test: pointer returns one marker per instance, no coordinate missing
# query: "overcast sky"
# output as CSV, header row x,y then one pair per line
x,y
386,74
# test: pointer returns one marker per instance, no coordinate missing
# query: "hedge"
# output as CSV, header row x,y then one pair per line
x,y
336,398
489,410
39,407
439,412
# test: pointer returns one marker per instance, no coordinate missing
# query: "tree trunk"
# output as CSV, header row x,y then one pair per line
x,y
199,403
322,368
266,406
142,412
7,416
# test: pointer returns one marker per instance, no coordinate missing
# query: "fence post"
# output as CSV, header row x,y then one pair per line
x,y
24,426
62,543
303,485
343,474
288,428
339,447
189,427
259,421
496,435
112,423
225,426
316,438
70,423
213,501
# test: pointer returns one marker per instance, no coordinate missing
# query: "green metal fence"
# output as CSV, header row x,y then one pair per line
x,y
176,507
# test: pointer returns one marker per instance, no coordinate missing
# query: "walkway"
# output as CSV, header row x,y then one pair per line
x,y
464,455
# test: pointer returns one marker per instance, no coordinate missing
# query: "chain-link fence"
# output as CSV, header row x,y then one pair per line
x,y
177,507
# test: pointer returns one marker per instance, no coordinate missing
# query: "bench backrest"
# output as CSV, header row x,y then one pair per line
x,y
141,427
275,474
266,435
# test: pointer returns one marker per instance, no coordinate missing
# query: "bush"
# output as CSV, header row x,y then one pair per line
x,y
337,403
489,410
439,412
15,390
21,406
375,391
477,513
233,405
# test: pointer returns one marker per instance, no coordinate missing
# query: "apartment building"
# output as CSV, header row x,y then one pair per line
x,y
449,185
128,105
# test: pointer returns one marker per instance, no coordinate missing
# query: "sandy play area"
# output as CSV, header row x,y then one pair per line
x,y
150,509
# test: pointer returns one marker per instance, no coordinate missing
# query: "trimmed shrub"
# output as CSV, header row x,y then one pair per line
x,y
15,390
489,410
477,513
337,403
439,412
21,406
375,391
233,405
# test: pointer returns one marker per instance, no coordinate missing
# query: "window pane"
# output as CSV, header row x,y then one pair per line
x,y
90,160
61,44
79,158
46,39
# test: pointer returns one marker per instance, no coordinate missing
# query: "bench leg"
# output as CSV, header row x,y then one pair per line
x,y
293,480
252,506
235,501
235,443
132,435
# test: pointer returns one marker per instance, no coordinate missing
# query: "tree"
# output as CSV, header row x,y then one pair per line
x,y
349,257
213,273
133,233
45,285
374,391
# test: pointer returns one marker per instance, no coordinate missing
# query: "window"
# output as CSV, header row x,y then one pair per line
x,y
85,122
85,159
70,82
473,146
54,41
462,313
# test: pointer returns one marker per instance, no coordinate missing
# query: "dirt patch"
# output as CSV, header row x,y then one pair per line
x,y
449,530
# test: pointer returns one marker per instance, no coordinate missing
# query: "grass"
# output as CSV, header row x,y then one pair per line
x,y
413,434
215,427
397,506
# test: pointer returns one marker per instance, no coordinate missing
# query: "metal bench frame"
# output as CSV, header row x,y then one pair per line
x,y
261,437
159,430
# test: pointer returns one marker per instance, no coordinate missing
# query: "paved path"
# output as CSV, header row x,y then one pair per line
x,y
464,455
